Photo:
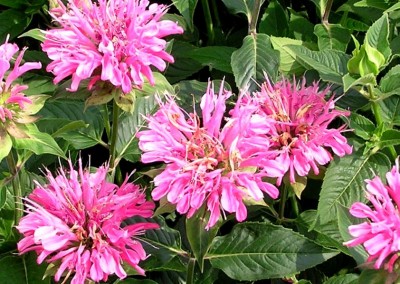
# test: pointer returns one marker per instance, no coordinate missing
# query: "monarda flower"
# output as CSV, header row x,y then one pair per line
x,y
115,41
75,221
297,120
205,165
15,108
380,232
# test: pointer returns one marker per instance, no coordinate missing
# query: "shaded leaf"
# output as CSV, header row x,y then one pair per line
x,y
186,8
332,36
12,22
343,279
215,57
254,251
362,126
391,110
253,60
274,21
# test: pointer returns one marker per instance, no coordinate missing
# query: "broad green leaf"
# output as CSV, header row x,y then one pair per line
x,y
344,220
393,8
245,7
185,65
216,57
199,238
6,144
3,195
22,270
389,138
37,34
301,27
362,126
39,84
274,21
7,220
344,182
63,112
352,99
378,36
383,5
186,8
254,251
343,279
16,4
170,277
208,276
332,36
327,235
253,61
391,110
135,281
130,123
330,64
38,142
12,22
287,58
354,25
390,83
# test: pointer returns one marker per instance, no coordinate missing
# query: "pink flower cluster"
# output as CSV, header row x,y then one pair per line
x,y
380,233
76,219
297,120
12,99
223,161
114,41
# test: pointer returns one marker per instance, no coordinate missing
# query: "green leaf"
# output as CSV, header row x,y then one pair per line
x,y
374,276
389,138
390,110
332,36
7,221
186,8
37,34
38,142
6,144
185,65
274,21
22,270
12,22
253,60
287,58
63,112
39,84
351,82
344,182
343,279
390,83
393,8
354,25
254,251
378,36
241,7
216,57
199,238
301,27
362,126
344,220
373,3
330,64
135,281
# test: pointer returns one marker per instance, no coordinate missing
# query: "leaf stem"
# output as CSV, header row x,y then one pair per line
x,y
114,135
282,203
19,207
254,16
190,271
325,16
209,21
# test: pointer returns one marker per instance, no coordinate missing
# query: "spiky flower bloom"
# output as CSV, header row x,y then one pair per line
x,y
298,118
205,165
115,41
380,233
75,220
15,107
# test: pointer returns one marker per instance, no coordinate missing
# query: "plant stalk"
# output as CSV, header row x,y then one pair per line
x,y
190,271
325,16
114,135
209,21
254,17
17,192
282,203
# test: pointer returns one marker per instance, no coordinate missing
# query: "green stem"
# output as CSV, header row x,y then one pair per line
x,y
19,207
190,271
209,21
114,135
106,121
295,205
254,16
215,13
325,16
282,203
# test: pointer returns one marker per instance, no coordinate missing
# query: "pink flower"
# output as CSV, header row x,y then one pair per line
x,y
12,99
380,233
295,121
206,165
76,219
116,41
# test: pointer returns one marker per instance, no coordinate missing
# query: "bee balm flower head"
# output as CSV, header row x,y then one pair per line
x,y
206,160
115,41
76,219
